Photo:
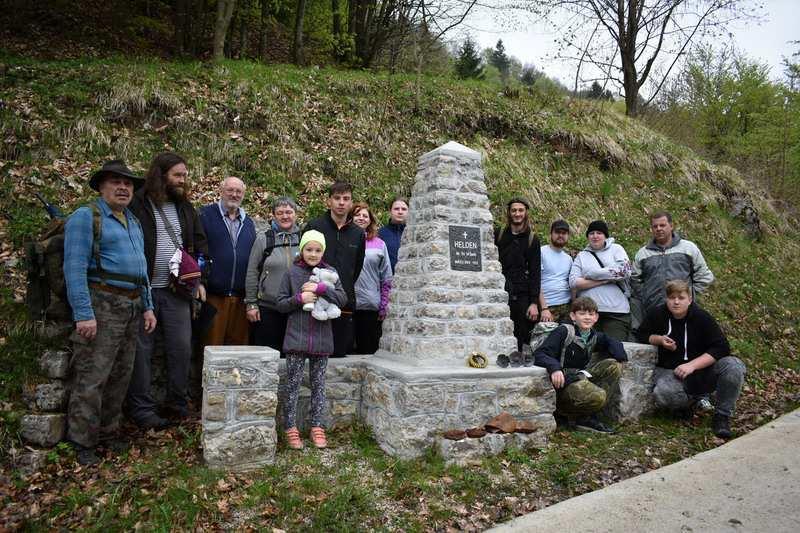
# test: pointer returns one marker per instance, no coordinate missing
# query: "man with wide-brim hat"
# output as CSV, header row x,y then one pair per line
x,y
108,289
115,167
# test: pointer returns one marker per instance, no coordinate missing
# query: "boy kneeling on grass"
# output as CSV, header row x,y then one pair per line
x,y
694,358
576,357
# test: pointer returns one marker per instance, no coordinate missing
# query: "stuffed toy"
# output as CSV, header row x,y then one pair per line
x,y
322,309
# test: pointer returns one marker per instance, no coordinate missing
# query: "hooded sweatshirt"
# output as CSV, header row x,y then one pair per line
x,y
695,334
610,297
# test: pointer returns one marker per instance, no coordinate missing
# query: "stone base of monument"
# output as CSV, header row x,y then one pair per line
x,y
240,400
410,407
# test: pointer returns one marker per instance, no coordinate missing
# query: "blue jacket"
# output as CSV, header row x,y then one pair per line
x,y
229,269
391,235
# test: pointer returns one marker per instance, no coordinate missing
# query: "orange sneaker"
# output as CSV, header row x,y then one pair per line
x,y
318,437
293,440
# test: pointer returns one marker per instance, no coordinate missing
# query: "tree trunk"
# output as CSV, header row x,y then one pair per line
x,y
262,39
298,32
180,24
223,20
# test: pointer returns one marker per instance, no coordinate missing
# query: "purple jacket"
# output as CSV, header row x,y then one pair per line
x,y
304,333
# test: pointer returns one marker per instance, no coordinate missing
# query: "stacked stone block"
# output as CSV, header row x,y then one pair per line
x,y
240,400
47,422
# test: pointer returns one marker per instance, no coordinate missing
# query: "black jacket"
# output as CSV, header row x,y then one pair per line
x,y
521,259
192,233
694,335
576,355
344,251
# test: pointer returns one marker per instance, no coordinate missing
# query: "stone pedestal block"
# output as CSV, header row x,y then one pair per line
x,y
240,398
44,430
410,407
54,364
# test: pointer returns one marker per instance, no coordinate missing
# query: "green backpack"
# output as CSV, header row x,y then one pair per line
x,y
46,295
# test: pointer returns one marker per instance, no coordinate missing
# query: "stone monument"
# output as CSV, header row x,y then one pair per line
x,y
448,301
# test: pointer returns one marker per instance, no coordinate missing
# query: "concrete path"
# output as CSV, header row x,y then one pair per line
x,y
749,484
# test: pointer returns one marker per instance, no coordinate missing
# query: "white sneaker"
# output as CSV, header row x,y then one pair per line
x,y
703,406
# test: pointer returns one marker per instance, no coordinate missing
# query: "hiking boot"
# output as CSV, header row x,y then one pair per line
x,y
153,421
721,425
592,423
563,421
116,446
85,456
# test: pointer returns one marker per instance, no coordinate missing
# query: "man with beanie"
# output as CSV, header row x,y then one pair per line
x,y
601,272
555,294
520,257
346,246
230,234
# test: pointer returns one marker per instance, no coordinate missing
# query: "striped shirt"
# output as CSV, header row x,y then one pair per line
x,y
121,252
165,248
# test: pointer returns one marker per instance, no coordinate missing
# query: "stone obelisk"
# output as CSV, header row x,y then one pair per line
x,y
448,298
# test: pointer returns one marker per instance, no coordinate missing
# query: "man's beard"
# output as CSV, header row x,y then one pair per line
x,y
176,194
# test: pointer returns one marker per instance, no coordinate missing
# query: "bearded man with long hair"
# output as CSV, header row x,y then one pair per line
x,y
169,221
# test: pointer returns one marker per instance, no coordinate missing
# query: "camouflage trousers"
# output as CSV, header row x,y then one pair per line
x,y
101,368
588,396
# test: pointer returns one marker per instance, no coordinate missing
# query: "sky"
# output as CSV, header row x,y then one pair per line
x,y
766,41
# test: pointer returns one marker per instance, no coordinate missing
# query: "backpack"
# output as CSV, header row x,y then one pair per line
x,y
46,295
543,329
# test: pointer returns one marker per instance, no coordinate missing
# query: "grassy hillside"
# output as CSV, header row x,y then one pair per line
x,y
291,131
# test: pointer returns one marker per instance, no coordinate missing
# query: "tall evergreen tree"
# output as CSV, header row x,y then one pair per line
x,y
468,61
500,59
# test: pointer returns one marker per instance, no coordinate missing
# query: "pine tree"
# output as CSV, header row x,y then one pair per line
x,y
468,61
500,59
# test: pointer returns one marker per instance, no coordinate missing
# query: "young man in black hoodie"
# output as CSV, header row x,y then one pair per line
x,y
521,258
346,245
694,358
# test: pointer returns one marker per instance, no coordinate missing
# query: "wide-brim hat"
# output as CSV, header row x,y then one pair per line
x,y
115,166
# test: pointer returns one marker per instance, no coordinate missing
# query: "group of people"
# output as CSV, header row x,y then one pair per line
x,y
130,256
125,266
602,299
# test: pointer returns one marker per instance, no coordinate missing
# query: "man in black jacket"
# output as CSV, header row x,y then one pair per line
x,y
345,248
521,259
694,358
166,216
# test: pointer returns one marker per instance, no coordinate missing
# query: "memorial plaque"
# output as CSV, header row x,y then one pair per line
x,y
465,248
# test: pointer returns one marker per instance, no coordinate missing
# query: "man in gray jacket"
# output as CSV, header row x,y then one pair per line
x,y
667,257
